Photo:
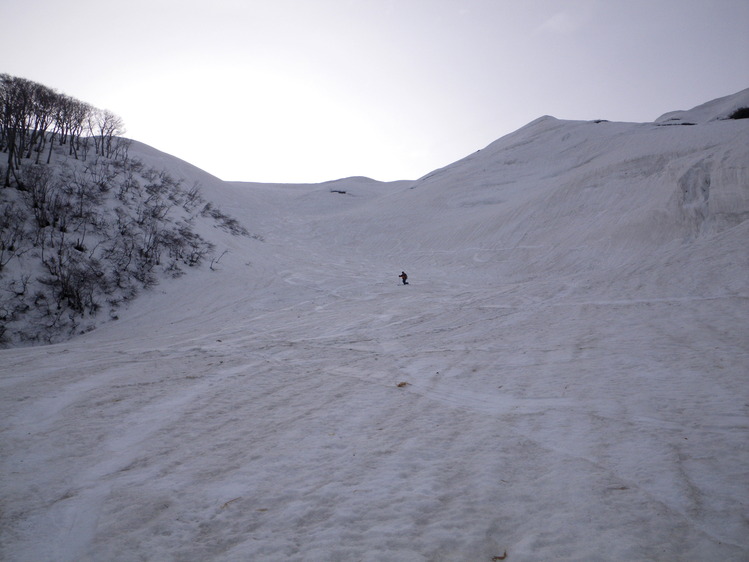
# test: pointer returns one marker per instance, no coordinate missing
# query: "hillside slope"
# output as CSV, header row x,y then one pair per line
x,y
564,378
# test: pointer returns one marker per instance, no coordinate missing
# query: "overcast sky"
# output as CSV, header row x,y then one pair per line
x,y
314,90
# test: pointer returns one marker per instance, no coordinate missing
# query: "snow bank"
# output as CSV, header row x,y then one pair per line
x,y
721,108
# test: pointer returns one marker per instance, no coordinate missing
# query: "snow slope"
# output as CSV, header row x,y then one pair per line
x,y
574,344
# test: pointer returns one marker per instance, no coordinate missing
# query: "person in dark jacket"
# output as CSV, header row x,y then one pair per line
x,y
404,277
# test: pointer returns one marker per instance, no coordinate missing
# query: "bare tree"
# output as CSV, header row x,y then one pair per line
x,y
43,106
104,126
12,233
15,95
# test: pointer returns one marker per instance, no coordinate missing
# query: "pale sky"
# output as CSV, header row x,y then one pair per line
x,y
315,90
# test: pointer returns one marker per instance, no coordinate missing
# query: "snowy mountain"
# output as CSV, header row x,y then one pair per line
x,y
565,377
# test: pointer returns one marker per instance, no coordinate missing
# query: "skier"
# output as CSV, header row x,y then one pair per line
x,y
404,277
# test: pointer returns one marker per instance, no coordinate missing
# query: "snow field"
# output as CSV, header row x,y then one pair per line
x,y
573,343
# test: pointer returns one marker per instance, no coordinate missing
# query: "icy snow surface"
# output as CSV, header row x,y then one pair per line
x,y
574,342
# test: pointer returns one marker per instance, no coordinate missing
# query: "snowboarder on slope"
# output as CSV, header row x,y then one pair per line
x,y
404,277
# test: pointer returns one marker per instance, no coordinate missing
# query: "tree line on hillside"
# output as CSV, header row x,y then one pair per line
x,y
84,229
34,117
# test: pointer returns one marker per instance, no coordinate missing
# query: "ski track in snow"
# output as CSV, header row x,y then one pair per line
x,y
300,404
262,444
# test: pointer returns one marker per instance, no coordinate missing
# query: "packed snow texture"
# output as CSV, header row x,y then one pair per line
x,y
574,344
